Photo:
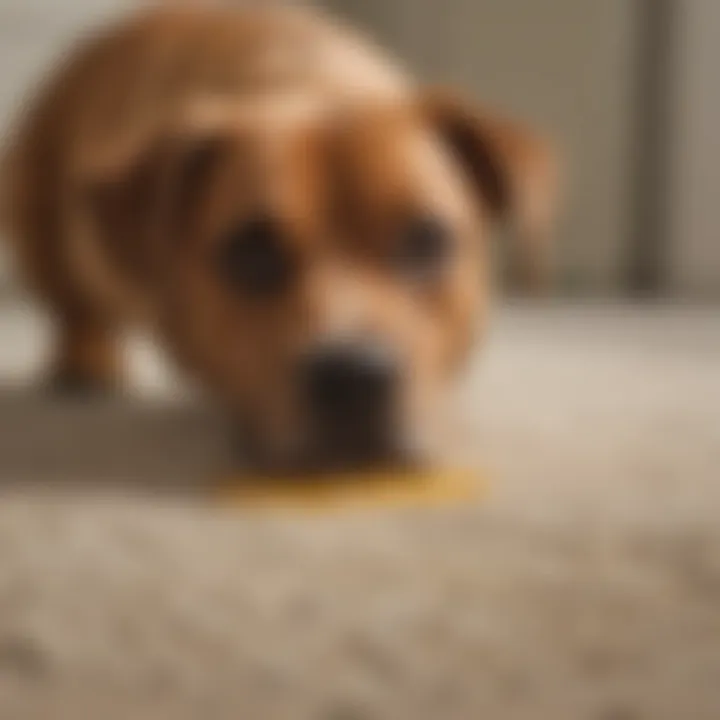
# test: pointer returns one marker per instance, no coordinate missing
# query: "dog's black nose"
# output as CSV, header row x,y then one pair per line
x,y
351,384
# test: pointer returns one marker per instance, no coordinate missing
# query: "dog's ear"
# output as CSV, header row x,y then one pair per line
x,y
513,172
143,197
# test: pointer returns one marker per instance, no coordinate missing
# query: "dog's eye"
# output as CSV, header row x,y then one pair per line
x,y
254,261
422,248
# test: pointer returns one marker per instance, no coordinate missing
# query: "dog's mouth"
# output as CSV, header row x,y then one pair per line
x,y
343,448
347,448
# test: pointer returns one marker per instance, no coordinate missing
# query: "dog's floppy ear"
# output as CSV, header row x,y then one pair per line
x,y
156,181
141,196
512,170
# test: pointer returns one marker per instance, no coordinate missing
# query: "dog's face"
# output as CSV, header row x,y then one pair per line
x,y
326,274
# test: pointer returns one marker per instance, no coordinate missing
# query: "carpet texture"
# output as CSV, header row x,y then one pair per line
x,y
587,585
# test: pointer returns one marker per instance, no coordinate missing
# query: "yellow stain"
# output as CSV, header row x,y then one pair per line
x,y
375,490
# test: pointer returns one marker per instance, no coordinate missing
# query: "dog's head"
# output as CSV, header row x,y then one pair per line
x,y
326,272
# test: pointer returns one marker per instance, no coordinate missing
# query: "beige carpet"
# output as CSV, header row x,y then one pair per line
x,y
586,586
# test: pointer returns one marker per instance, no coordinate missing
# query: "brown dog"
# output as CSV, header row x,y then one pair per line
x,y
302,225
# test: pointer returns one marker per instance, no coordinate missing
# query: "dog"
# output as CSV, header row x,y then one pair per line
x,y
303,225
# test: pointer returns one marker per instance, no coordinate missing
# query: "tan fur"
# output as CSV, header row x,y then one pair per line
x,y
295,114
